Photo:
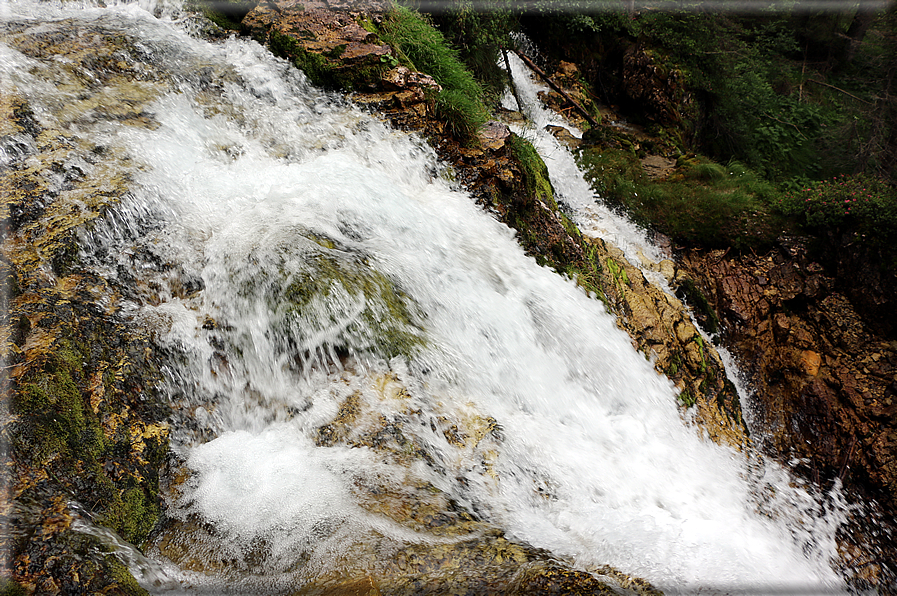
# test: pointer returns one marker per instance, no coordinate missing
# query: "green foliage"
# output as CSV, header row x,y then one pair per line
x,y
701,202
861,203
736,68
463,112
424,48
479,32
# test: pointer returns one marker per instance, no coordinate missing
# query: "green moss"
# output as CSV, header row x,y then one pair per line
x,y
340,296
535,172
617,272
319,68
687,399
62,432
132,514
61,423
698,340
123,578
11,588
336,52
365,23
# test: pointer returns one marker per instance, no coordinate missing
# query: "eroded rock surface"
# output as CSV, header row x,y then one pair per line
x,y
825,382
447,547
84,430
662,329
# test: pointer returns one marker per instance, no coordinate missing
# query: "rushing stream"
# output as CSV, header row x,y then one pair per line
x,y
313,257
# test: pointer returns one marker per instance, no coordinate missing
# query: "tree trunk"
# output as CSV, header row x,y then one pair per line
x,y
861,22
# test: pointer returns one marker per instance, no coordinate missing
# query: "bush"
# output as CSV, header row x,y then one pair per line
x,y
861,203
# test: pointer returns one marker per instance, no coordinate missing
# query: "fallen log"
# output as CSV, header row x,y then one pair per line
x,y
592,122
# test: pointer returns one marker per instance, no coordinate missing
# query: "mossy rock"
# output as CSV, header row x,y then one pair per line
x,y
326,69
330,297
535,172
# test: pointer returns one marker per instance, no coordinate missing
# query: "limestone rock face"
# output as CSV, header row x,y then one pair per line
x,y
826,383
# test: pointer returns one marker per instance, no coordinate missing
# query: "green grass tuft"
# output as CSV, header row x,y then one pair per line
x,y
422,47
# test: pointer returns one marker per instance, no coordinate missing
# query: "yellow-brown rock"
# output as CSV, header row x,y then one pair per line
x,y
662,329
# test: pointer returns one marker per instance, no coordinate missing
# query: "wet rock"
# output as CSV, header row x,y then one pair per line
x,y
465,554
402,77
821,393
493,135
662,329
83,418
564,136
657,167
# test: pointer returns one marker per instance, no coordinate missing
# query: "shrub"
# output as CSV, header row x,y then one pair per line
x,y
860,202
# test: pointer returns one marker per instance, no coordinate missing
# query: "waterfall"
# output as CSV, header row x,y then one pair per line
x,y
294,255
592,216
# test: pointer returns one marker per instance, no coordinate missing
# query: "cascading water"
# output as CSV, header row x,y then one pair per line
x,y
591,216
295,256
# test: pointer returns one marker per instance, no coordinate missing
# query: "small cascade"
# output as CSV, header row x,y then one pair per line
x,y
364,363
591,215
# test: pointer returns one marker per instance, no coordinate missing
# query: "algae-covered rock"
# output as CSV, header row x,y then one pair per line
x,y
359,308
83,422
324,297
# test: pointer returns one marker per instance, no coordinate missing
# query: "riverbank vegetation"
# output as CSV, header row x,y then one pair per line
x,y
759,111
423,47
